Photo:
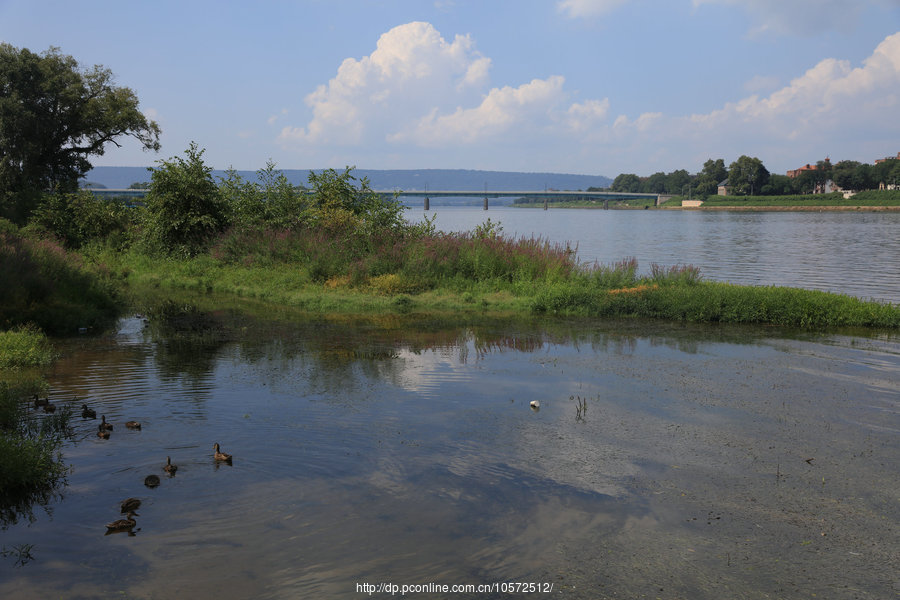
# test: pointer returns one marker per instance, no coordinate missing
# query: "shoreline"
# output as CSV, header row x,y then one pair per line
x,y
788,208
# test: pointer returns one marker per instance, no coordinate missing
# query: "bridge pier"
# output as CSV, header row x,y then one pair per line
x,y
427,203
485,203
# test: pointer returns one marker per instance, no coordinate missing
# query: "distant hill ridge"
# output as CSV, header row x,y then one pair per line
x,y
406,179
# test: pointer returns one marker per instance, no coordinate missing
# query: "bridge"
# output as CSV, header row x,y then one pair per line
x,y
545,195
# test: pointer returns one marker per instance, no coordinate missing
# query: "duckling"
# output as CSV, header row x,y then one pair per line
x,y
221,455
122,524
49,408
132,425
151,481
104,424
130,505
102,434
170,468
88,413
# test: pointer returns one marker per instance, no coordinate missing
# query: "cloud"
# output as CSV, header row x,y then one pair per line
x,y
502,110
804,17
420,99
416,89
829,102
412,70
588,8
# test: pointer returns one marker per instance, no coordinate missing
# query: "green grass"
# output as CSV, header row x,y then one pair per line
x,y
495,275
869,198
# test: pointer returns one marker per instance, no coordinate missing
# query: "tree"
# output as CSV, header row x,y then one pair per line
x,y
779,185
184,206
843,174
715,170
676,181
626,182
655,184
747,175
53,117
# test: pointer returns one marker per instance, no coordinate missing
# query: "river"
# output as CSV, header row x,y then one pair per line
x,y
661,460
854,253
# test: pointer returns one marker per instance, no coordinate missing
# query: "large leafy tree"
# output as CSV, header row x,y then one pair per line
x,y
54,116
747,175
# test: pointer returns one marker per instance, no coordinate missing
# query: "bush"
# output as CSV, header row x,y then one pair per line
x,y
76,219
184,205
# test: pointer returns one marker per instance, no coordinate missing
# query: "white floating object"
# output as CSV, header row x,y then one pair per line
x,y
535,404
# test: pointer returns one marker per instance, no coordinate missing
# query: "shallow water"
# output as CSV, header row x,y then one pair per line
x,y
710,462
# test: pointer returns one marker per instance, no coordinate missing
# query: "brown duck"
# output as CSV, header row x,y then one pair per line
x,y
221,456
170,468
122,524
130,505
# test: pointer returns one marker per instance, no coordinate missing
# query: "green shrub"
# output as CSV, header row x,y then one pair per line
x,y
79,218
25,346
185,208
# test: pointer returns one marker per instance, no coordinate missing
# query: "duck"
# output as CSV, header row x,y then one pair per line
x,y
221,455
132,425
122,524
88,413
104,424
39,403
102,433
130,505
170,468
49,407
151,481
535,405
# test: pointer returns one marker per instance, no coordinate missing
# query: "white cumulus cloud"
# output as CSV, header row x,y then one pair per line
x,y
412,70
417,89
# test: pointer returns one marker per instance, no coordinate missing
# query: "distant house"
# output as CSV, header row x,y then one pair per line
x,y
881,160
724,188
807,167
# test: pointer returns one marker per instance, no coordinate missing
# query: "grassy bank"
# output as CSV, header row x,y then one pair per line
x,y
51,287
867,199
676,293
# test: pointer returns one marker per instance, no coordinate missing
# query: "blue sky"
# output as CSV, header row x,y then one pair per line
x,y
595,87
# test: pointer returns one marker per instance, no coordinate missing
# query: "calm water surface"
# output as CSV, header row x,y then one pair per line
x,y
846,252
665,462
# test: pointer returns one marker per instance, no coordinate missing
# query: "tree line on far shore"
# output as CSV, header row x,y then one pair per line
x,y
748,176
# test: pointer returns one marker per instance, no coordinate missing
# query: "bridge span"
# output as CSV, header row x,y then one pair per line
x,y
605,196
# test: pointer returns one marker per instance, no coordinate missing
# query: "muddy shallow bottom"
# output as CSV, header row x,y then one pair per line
x,y
663,462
